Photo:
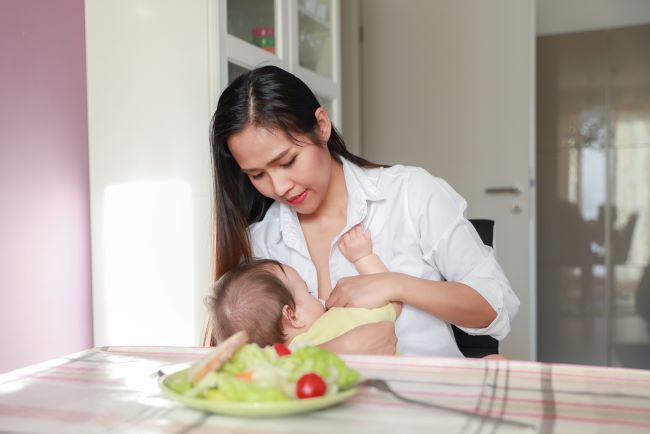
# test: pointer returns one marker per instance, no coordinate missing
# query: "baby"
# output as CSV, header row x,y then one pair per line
x,y
272,303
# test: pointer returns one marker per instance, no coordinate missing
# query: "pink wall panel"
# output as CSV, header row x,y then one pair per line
x,y
45,292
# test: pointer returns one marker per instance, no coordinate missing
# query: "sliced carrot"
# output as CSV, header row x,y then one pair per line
x,y
245,375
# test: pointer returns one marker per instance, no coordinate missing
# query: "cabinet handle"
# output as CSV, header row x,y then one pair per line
x,y
513,189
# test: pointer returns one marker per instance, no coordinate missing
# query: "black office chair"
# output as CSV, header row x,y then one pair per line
x,y
483,345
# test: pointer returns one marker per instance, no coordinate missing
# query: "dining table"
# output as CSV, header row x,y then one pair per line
x,y
117,390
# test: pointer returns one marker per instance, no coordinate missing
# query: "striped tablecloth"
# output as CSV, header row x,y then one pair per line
x,y
115,390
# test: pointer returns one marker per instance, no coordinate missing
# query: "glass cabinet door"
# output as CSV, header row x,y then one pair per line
x,y
253,21
300,36
315,36
235,71
326,103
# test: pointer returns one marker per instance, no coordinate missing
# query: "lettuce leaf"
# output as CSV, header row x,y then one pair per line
x,y
315,359
233,389
245,358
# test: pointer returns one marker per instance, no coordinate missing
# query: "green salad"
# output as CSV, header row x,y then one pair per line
x,y
271,374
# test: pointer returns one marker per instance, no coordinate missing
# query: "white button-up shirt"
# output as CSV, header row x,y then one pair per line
x,y
418,228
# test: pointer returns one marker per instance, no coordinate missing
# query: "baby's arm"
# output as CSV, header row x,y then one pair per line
x,y
356,246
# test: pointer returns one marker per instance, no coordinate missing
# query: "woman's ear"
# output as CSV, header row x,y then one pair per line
x,y
290,319
324,124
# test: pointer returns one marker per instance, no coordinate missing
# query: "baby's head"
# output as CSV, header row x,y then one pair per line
x,y
267,299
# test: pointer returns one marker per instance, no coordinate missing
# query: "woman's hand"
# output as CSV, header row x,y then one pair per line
x,y
377,338
369,291
453,302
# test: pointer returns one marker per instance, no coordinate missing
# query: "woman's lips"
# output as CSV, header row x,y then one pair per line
x,y
297,200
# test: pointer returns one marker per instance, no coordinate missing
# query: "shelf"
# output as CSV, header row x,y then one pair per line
x,y
247,54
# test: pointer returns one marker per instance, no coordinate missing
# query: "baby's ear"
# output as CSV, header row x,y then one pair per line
x,y
290,319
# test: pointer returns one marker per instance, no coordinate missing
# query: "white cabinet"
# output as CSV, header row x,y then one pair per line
x,y
154,72
301,36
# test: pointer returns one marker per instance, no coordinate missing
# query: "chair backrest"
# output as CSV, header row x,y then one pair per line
x,y
483,345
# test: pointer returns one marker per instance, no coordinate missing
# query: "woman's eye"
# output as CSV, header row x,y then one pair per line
x,y
289,163
257,176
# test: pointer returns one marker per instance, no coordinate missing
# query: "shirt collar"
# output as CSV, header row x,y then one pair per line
x,y
357,180
361,190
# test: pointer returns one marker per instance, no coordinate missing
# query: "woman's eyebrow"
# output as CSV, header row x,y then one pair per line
x,y
273,161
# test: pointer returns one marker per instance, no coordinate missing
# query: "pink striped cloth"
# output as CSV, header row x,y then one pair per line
x,y
115,390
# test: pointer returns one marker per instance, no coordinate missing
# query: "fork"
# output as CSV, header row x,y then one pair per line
x,y
383,386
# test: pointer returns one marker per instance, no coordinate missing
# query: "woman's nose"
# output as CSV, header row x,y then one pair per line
x,y
281,184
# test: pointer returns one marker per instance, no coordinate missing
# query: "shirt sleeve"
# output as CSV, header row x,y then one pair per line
x,y
450,243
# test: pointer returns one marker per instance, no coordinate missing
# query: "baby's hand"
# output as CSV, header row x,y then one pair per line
x,y
356,244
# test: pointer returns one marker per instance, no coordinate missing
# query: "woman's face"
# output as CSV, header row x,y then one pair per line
x,y
295,174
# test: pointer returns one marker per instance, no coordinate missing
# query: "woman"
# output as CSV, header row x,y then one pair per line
x,y
286,188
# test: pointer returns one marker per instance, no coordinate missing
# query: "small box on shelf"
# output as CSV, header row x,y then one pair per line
x,y
264,37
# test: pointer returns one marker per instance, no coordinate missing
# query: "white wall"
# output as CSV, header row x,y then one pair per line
x,y
564,16
448,86
351,75
149,112
45,307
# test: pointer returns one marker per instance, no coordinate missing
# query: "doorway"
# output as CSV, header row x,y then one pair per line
x,y
593,201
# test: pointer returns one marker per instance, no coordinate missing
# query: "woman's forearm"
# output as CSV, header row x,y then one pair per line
x,y
374,338
337,345
453,302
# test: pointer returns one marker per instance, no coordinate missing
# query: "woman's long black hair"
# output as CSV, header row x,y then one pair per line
x,y
268,97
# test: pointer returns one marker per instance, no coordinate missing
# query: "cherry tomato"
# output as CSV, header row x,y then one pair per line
x,y
281,350
310,386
